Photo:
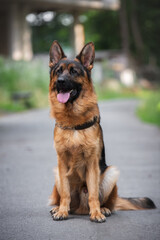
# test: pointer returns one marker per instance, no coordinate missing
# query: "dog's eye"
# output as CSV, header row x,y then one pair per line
x,y
73,71
60,70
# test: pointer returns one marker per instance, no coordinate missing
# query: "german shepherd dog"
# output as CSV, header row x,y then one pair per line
x,y
84,184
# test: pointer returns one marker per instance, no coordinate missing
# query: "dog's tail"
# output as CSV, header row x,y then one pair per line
x,y
134,204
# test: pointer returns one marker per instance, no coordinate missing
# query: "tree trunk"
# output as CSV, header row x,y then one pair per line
x,y
136,30
124,27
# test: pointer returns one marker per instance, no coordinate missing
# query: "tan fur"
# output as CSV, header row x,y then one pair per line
x,y
124,204
79,186
81,206
82,110
79,153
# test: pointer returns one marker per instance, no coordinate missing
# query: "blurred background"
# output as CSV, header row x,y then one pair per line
x,y
126,34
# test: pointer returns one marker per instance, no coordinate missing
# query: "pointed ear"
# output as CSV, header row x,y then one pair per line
x,y
56,53
87,55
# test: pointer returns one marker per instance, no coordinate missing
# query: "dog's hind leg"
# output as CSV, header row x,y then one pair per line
x,y
108,190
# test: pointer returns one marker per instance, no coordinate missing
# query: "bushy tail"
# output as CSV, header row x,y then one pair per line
x,y
134,204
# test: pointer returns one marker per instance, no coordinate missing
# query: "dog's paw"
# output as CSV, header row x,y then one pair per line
x,y
59,215
97,217
105,211
54,210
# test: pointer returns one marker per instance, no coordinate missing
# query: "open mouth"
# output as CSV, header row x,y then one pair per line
x,y
64,97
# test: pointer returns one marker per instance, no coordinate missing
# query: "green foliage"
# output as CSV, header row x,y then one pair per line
x,y
148,19
11,107
149,110
43,35
102,28
23,77
104,94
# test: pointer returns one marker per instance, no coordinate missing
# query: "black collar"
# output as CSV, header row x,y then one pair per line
x,y
80,127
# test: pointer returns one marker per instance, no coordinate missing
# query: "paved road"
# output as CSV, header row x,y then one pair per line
x,y
26,179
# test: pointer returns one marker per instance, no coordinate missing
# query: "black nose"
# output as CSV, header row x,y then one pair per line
x,y
61,81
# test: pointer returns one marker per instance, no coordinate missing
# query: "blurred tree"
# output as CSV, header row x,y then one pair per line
x,y
102,27
144,25
124,27
135,28
44,33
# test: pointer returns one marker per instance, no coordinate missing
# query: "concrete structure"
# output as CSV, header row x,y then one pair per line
x,y
15,34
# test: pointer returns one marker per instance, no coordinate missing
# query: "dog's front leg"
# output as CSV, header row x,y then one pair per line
x,y
93,178
65,198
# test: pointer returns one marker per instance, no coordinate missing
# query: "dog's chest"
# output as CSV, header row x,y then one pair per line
x,y
76,142
78,148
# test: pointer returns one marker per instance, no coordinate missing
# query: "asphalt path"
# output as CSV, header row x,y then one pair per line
x,y
27,158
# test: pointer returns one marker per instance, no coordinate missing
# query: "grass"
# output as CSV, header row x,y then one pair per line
x,y
32,77
149,109
103,94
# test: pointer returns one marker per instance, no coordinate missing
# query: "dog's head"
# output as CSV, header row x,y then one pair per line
x,y
68,78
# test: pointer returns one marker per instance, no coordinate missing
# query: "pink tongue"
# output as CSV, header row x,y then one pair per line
x,y
63,97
